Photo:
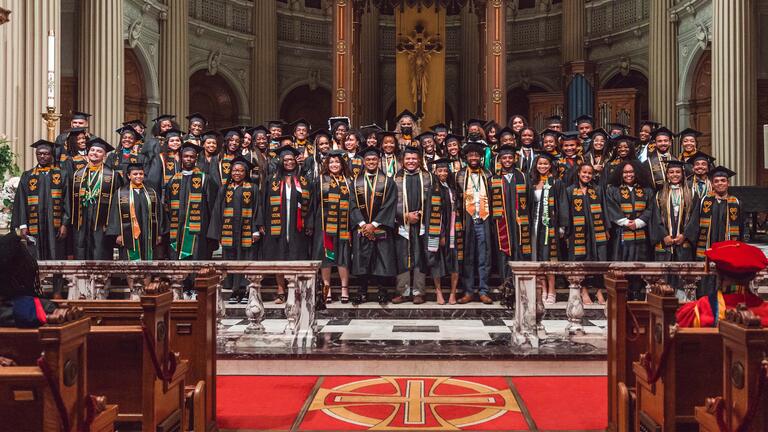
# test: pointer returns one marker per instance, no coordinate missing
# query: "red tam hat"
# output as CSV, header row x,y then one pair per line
x,y
736,259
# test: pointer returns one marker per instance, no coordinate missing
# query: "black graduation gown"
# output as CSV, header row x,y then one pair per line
x,y
524,162
203,249
595,252
635,251
468,266
446,260
291,244
510,200
118,161
374,257
540,236
669,226
91,239
47,246
155,171
718,225
342,248
144,214
204,164
413,251
220,169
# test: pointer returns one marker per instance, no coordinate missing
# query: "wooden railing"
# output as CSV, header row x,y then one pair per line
x,y
90,279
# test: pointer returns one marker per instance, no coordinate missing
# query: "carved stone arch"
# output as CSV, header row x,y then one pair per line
x,y
611,73
699,98
686,85
214,97
298,83
231,78
149,70
135,98
539,84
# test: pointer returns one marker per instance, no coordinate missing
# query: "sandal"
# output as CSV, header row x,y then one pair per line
x,y
327,294
344,298
586,299
551,299
280,299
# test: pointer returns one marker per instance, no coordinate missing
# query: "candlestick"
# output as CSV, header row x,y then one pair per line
x,y
51,78
51,118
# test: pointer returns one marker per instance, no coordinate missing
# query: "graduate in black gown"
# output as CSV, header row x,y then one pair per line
x,y
660,155
391,163
129,152
698,180
623,150
417,221
526,153
675,204
331,200
210,141
153,142
167,162
373,240
136,219
632,214
258,155
321,140
598,155
569,157
79,120
287,229
582,214
716,217
74,154
446,261
92,190
222,166
235,223
189,199
41,208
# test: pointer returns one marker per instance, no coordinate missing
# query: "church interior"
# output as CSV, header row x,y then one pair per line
x,y
163,345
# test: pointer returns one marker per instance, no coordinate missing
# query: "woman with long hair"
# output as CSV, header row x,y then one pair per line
x,y
517,122
675,203
390,153
330,206
74,156
352,145
446,260
545,197
599,152
406,128
623,151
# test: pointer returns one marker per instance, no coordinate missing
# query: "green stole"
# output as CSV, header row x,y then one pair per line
x,y
579,204
243,193
86,193
33,199
192,223
632,211
705,222
126,203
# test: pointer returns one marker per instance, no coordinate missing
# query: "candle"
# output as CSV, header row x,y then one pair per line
x,y
51,69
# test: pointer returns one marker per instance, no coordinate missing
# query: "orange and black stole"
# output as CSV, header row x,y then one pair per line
x,y
170,166
334,212
732,230
33,198
430,198
225,167
184,228
581,203
244,194
370,198
501,218
276,200
633,203
126,223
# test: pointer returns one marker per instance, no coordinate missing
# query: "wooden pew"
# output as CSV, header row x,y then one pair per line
x,y
745,344
27,401
192,335
676,372
627,339
121,366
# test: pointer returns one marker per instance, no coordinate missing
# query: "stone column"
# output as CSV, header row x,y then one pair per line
x,y
101,85
174,59
469,85
734,88
23,74
662,80
264,62
496,61
574,27
342,58
370,86
578,72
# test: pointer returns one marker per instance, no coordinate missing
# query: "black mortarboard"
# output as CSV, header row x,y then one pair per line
x,y
232,131
172,132
339,153
98,142
198,118
301,122
490,124
128,129
259,129
370,129
44,143
620,126
699,155
653,124
134,166
76,131
210,134
439,127
275,123
290,138
506,149
442,162
546,155
584,119
333,122
406,113
368,150
427,134
551,132
570,136
412,149
286,149
599,131
190,145
241,160
675,163
689,132
505,131
554,119
721,171
475,121
320,132
662,131
162,117
474,146
455,137
383,134
135,122
79,115
624,138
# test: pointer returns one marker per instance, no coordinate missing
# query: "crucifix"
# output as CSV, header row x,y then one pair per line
x,y
419,46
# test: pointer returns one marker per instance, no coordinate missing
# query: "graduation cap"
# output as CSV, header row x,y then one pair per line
x,y
368,151
506,131
506,149
77,130
383,134
44,143
98,142
334,122
134,166
474,146
301,122
551,132
653,124
370,129
290,138
275,123
339,153
440,127
584,119
128,129
412,149
243,161
554,119
620,126
406,113
427,134
699,155
79,115
662,131
689,132
210,134
162,117
259,129
190,146
599,131
625,138
232,131
135,122
318,133
172,132
490,124
675,164
721,171
569,136
475,121
546,155
286,150
197,117
454,137
441,163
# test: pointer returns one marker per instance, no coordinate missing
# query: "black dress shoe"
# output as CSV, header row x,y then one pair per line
x,y
383,298
360,299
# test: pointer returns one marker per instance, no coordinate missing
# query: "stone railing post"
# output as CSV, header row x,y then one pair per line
x,y
255,311
574,310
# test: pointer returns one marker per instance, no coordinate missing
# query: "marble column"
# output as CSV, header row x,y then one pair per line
x,y
264,62
342,58
496,61
574,28
469,85
101,85
23,74
370,85
662,60
734,88
174,59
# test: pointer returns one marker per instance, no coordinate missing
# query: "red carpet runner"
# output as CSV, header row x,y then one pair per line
x,y
289,403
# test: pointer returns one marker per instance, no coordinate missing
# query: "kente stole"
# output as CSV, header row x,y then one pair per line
x,y
225,167
370,198
33,198
579,203
732,231
428,190
170,166
245,196
632,210
184,231
276,201
129,222
334,212
92,187
469,190
499,214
